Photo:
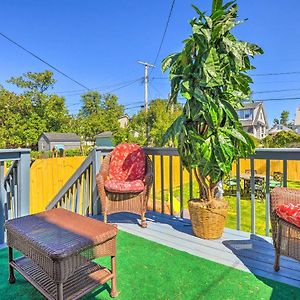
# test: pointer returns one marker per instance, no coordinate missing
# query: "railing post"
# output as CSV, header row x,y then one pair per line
x,y
238,196
23,179
2,202
95,196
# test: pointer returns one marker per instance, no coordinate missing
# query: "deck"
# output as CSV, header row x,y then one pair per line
x,y
237,249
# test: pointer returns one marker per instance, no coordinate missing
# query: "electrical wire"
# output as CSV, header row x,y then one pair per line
x,y
164,35
43,61
77,92
276,74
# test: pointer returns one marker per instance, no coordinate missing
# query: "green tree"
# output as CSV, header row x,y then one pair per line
x,y
275,121
90,104
20,125
28,114
284,118
98,113
282,139
159,119
210,73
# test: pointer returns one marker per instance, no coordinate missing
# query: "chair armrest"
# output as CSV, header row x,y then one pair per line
x,y
281,195
101,177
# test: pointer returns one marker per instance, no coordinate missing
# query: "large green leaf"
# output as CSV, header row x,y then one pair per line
x,y
211,74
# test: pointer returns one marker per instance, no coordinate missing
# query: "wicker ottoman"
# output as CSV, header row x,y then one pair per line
x,y
58,248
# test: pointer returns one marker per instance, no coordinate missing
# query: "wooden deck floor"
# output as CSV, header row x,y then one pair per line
x,y
237,249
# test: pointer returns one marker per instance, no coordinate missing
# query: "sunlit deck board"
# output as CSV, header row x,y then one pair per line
x,y
237,249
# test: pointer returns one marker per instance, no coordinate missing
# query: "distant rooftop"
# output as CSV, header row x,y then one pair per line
x,y
61,137
248,105
104,134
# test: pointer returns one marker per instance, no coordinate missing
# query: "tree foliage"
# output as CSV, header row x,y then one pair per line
x,y
284,118
210,73
25,115
99,113
282,139
159,118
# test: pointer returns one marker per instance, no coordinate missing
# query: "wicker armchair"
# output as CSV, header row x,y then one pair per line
x,y
134,202
286,236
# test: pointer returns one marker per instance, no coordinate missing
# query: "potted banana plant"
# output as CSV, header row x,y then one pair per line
x,y
210,74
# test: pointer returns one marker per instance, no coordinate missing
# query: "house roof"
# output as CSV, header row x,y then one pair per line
x,y
297,117
278,127
248,105
104,134
60,137
255,120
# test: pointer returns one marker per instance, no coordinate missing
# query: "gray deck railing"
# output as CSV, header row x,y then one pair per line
x,y
79,194
171,183
14,185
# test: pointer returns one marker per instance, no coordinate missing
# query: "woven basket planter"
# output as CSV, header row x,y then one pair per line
x,y
207,223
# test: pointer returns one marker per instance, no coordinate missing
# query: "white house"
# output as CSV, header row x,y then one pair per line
x,y
254,119
297,121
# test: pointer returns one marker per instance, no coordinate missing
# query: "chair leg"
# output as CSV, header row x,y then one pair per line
x,y
143,221
277,249
114,292
276,262
12,278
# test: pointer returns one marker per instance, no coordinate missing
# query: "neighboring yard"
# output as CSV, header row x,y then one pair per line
x,y
260,207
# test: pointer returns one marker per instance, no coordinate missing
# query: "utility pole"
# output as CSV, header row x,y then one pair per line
x,y
146,80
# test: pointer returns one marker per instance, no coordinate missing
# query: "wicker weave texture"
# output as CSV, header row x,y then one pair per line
x,y
286,236
60,252
207,223
118,202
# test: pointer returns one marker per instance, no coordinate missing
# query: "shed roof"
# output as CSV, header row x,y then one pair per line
x,y
104,134
60,137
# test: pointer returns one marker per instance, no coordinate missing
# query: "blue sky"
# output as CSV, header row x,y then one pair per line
x,y
99,42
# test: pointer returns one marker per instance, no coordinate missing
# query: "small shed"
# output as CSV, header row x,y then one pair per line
x,y
61,141
104,139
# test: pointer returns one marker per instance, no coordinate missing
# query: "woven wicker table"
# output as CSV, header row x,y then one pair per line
x,y
58,248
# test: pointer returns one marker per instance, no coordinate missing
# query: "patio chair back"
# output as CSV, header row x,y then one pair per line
x,y
127,163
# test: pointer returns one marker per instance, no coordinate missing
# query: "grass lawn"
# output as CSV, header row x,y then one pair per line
x,y
147,270
260,207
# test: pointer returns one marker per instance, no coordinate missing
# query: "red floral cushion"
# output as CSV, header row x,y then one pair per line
x,y
117,186
289,212
127,163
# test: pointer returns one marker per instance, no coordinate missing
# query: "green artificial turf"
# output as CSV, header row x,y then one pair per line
x,y
147,270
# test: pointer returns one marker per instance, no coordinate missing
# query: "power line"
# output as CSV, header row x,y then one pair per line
x,y
43,61
164,33
276,74
77,92
110,91
277,99
276,91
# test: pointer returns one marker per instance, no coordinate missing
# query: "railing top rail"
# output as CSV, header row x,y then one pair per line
x,y
12,154
19,150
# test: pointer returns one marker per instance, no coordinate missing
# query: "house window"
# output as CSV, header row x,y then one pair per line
x,y
245,114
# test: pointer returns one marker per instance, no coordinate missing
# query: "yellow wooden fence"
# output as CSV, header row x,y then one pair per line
x,y
47,176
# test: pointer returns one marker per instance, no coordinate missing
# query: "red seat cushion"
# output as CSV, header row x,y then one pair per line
x,y
117,186
289,212
127,163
